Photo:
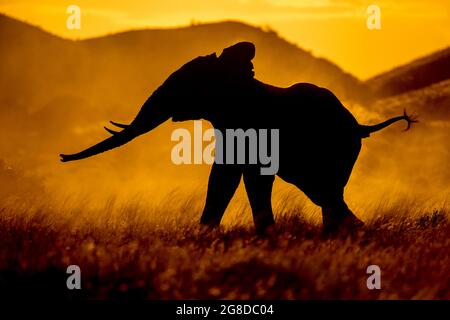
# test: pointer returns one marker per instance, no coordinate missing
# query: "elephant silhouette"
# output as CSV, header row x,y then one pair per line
x,y
319,138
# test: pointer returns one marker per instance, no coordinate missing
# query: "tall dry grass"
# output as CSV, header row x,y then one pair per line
x,y
135,250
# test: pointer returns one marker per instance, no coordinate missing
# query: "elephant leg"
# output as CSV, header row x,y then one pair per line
x,y
259,191
223,182
338,217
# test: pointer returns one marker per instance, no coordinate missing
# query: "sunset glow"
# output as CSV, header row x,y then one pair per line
x,y
333,29
203,150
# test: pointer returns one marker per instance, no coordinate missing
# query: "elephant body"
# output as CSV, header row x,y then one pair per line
x,y
319,143
319,139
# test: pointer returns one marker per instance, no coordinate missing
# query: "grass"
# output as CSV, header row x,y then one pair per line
x,y
133,251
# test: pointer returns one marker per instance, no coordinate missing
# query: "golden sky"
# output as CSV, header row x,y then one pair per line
x,y
334,29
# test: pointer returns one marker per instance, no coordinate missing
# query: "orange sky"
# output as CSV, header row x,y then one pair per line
x,y
334,29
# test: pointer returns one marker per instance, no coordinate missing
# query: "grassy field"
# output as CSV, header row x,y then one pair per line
x,y
132,251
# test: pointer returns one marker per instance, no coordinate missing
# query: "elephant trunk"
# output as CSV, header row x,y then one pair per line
x,y
149,117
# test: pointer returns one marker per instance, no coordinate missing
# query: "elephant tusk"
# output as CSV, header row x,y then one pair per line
x,y
111,131
120,125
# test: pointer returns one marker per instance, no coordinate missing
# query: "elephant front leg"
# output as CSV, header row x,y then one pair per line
x,y
223,182
259,191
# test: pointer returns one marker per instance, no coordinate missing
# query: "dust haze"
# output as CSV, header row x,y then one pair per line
x,y
58,94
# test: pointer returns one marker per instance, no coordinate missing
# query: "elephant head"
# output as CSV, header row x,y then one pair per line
x,y
189,93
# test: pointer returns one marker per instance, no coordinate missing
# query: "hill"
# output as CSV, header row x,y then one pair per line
x,y
56,94
418,74
40,69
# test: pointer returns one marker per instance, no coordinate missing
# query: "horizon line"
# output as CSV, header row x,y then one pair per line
x,y
196,23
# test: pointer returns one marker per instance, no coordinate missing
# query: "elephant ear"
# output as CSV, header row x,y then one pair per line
x,y
240,52
238,58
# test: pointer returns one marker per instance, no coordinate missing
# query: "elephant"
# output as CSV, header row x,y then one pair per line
x,y
319,138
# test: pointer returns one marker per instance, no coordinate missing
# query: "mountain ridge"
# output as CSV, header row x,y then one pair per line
x,y
373,82
418,73
283,63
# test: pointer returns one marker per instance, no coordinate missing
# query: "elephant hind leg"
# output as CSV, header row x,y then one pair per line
x,y
259,192
338,217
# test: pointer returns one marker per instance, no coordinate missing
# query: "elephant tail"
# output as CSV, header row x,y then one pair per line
x,y
365,131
